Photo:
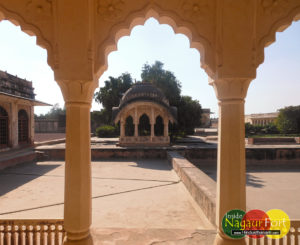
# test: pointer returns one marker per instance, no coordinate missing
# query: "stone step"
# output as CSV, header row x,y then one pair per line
x,y
14,157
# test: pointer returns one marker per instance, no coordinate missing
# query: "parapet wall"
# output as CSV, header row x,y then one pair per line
x,y
201,187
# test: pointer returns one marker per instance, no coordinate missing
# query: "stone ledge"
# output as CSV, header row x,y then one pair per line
x,y
201,187
16,158
275,140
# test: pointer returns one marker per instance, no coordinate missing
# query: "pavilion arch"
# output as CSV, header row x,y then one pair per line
x,y
23,127
159,126
4,131
129,126
179,26
30,29
144,125
278,26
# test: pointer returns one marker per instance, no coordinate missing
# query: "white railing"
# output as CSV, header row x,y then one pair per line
x,y
292,238
31,232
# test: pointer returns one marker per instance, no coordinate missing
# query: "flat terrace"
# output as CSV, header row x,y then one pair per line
x,y
137,202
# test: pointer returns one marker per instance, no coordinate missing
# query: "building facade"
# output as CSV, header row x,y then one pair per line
x,y
261,119
17,101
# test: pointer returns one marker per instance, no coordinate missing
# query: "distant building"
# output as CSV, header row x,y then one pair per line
x,y
17,101
261,118
144,114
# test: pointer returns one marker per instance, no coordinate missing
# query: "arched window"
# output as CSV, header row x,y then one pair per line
x,y
144,126
159,126
3,128
129,127
23,126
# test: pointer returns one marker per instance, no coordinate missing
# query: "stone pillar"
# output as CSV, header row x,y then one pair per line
x,y
231,172
136,129
14,125
122,128
166,128
78,187
152,130
31,137
152,122
136,123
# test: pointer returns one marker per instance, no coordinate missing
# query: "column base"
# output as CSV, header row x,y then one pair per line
x,y
221,240
85,241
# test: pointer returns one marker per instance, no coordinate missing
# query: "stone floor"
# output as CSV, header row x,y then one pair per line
x,y
141,201
270,189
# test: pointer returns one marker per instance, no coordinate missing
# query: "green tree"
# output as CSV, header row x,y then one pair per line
x,y
111,94
189,110
164,80
288,120
189,114
54,112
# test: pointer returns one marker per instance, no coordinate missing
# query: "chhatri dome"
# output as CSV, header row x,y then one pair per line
x,y
144,114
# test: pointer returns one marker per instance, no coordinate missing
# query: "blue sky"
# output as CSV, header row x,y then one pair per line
x,y
277,83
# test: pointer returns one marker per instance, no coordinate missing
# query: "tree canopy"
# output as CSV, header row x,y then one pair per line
x,y
288,120
189,110
163,79
110,95
54,112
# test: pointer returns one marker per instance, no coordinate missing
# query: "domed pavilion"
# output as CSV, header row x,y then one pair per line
x,y
144,114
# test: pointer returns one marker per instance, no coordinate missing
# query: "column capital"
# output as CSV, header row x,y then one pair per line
x,y
231,90
80,92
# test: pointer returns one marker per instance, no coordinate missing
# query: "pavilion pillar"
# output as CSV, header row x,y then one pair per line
x,y
78,188
166,128
122,128
14,125
136,123
231,170
31,138
136,129
152,122
152,130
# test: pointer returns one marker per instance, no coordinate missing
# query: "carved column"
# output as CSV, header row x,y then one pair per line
x,y
136,129
231,173
152,122
31,139
78,192
136,123
122,128
14,124
166,128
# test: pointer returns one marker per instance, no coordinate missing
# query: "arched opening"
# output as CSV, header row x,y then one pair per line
x,y
144,126
23,130
159,126
129,126
276,87
3,128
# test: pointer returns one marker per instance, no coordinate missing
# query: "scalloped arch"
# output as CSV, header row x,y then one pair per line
x,y
124,28
30,30
279,26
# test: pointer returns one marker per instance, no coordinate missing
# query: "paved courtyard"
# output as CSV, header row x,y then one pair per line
x,y
270,189
131,194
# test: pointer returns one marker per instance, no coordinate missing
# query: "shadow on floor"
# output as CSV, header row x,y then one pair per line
x,y
14,177
251,180
157,164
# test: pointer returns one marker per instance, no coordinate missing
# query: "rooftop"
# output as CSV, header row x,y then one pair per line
x,y
16,86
